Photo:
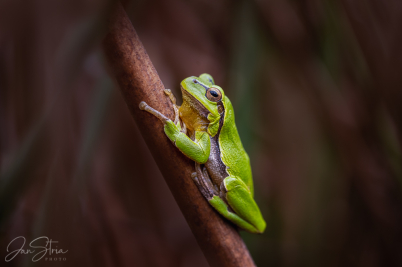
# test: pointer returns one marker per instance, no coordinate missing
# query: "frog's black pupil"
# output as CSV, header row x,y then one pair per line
x,y
214,94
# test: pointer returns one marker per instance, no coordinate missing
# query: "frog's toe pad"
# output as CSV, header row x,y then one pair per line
x,y
143,105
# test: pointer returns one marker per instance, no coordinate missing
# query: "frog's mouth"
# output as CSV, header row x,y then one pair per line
x,y
198,107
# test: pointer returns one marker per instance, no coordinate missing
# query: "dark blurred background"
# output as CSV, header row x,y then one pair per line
x,y
316,88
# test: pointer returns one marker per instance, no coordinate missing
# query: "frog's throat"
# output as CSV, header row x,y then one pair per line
x,y
192,110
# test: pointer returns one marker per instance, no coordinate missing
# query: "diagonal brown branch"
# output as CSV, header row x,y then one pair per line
x,y
139,81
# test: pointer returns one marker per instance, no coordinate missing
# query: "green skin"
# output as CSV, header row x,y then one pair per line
x,y
226,179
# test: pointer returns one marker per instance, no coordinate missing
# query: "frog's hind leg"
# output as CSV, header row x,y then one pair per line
x,y
244,211
229,214
220,203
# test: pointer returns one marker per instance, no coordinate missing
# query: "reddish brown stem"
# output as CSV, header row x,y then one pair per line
x,y
139,81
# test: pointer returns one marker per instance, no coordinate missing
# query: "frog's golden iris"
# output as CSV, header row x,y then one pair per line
x,y
214,94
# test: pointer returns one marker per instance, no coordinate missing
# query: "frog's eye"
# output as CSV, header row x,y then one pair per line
x,y
214,94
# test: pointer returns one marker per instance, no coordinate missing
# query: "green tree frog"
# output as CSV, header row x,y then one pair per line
x,y
204,130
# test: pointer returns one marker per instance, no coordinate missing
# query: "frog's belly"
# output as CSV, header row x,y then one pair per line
x,y
216,168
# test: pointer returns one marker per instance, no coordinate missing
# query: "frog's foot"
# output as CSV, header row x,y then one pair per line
x,y
204,183
204,192
209,181
146,107
169,93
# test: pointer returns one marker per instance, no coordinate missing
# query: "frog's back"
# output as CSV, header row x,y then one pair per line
x,y
233,154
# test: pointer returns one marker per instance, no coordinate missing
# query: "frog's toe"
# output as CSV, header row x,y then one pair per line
x,y
143,105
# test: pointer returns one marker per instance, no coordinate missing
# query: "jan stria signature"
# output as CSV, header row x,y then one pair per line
x,y
36,248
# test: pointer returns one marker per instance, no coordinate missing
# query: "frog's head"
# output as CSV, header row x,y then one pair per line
x,y
202,103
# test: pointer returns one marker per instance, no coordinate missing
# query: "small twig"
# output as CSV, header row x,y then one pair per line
x,y
139,81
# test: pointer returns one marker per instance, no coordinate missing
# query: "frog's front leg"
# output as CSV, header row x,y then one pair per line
x,y
160,116
197,149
